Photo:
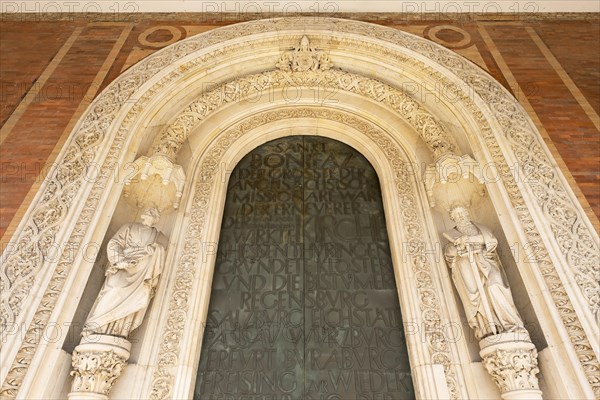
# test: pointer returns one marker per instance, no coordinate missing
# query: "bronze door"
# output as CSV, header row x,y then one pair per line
x,y
304,302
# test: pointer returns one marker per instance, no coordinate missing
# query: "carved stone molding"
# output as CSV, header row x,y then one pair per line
x,y
97,363
304,58
582,253
425,124
97,130
413,236
587,271
511,360
578,241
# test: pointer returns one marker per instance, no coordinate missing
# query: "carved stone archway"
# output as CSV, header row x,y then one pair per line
x,y
407,223
371,65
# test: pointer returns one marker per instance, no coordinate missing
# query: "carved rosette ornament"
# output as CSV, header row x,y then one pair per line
x,y
97,363
511,359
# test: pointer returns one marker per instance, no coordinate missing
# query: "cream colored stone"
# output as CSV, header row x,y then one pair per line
x,y
97,362
135,263
479,278
373,66
157,182
511,359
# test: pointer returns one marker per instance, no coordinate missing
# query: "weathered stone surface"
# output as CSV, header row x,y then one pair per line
x,y
304,302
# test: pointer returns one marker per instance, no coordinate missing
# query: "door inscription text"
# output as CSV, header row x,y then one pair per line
x,y
304,302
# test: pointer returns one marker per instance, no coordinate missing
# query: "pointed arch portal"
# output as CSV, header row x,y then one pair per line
x,y
206,102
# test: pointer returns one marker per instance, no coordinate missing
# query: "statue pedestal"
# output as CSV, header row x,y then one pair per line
x,y
97,363
511,359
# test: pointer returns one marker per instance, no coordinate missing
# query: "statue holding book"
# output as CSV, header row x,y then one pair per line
x,y
478,277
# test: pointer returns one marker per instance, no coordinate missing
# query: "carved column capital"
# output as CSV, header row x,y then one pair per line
x,y
511,360
97,363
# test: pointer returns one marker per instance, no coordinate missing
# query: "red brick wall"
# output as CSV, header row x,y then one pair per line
x,y
50,70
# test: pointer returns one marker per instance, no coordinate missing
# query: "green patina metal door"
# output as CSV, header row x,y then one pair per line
x,y
304,302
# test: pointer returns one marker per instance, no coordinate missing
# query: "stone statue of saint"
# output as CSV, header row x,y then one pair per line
x,y
478,277
136,258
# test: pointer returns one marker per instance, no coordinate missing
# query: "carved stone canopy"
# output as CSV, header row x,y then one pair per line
x,y
156,183
544,212
454,180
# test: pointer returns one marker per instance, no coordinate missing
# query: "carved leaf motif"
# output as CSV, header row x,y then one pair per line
x,y
487,89
179,302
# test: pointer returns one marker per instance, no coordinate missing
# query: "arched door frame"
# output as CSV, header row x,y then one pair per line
x,y
418,283
114,129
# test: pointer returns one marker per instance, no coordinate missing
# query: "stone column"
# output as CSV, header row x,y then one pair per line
x,y
97,363
511,360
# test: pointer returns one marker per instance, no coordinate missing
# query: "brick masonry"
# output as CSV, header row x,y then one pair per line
x,y
51,69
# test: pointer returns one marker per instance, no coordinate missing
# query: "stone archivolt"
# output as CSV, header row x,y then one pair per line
x,y
22,266
440,143
430,130
429,302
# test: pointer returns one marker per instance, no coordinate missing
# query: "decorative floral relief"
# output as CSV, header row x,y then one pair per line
x,y
21,265
172,138
195,234
517,128
96,372
513,369
586,269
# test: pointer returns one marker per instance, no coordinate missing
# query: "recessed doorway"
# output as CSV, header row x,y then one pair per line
x,y
304,303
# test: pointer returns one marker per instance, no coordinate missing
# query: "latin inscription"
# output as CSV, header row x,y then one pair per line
x,y
304,302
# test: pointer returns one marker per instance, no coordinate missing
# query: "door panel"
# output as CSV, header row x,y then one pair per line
x,y
304,302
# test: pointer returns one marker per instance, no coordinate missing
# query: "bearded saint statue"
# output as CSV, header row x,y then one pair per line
x,y
478,277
